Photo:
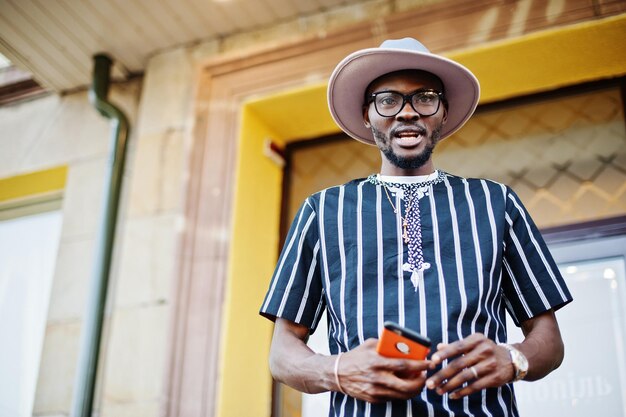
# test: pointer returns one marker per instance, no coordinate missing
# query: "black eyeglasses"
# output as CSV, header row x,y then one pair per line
x,y
390,103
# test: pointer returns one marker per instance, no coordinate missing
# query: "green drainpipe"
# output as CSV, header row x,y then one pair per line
x,y
85,382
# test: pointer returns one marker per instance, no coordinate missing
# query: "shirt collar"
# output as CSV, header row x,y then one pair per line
x,y
406,179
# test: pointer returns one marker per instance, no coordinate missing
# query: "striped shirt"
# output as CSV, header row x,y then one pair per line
x,y
344,254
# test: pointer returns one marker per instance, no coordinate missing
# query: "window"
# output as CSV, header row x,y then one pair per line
x,y
30,230
28,249
592,377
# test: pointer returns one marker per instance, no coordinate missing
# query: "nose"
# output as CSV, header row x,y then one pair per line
x,y
407,112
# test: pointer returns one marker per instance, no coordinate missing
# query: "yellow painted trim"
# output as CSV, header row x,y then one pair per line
x,y
549,59
246,383
532,63
32,184
310,119
538,62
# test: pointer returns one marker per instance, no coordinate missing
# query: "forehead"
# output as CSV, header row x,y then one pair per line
x,y
405,80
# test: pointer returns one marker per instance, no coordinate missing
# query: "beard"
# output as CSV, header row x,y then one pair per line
x,y
410,162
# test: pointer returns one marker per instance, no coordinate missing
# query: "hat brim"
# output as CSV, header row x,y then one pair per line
x,y
347,84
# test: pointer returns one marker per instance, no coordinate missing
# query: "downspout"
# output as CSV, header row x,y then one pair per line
x,y
85,381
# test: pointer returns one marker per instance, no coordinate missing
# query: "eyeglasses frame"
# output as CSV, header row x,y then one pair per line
x,y
406,98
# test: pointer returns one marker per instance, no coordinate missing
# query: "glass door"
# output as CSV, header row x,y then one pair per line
x,y
592,377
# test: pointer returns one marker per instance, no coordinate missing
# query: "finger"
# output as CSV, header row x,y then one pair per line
x,y
465,376
408,386
450,350
479,382
404,365
467,390
388,386
448,373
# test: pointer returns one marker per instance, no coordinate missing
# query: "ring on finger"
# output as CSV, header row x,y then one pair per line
x,y
474,371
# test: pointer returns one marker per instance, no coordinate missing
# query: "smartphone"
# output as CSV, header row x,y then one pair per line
x,y
399,342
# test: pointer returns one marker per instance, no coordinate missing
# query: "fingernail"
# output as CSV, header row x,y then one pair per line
x,y
435,358
430,384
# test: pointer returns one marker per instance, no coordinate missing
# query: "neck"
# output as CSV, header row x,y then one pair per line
x,y
390,169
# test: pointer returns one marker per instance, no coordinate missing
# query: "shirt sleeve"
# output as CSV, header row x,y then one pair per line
x,y
532,283
296,292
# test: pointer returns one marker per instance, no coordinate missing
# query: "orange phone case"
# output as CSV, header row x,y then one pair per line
x,y
398,342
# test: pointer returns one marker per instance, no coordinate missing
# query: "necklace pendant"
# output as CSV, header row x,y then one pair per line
x,y
417,277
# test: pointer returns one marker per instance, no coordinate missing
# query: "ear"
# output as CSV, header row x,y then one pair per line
x,y
366,116
444,118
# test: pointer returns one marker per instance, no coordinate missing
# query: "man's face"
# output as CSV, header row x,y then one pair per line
x,y
406,140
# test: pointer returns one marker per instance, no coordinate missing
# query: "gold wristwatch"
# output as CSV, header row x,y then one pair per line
x,y
519,361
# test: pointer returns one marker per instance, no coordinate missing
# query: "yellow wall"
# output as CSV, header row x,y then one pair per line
x,y
32,184
257,217
537,62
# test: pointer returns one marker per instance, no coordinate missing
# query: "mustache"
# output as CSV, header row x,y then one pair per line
x,y
421,130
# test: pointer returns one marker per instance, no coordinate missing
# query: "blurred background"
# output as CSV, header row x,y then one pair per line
x,y
152,154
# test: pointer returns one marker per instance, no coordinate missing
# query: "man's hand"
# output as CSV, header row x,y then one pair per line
x,y
362,372
479,362
475,360
365,375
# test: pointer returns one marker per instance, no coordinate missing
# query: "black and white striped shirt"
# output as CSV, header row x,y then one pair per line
x,y
344,254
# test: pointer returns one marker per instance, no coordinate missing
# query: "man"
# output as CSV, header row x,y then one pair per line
x,y
439,254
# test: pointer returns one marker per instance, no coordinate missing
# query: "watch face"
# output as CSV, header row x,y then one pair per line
x,y
523,363
520,363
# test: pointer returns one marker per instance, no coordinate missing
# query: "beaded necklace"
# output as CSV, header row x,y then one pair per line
x,y
411,222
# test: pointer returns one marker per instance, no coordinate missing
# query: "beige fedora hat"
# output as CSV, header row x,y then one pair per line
x,y
347,84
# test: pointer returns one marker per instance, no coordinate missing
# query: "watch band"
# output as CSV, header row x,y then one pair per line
x,y
519,361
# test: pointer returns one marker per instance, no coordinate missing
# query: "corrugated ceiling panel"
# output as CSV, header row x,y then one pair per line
x,y
156,20
148,32
185,23
35,48
215,23
7,47
325,4
282,9
56,40
264,9
237,15
86,38
70,47
231,15
85,19
306,6
122,24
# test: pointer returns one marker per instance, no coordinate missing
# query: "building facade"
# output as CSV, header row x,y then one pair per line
x,y
205,194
